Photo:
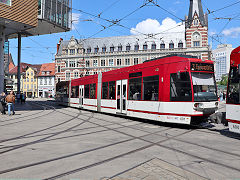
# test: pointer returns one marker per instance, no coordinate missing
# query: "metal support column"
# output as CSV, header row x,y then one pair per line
x,y
2,41
19,65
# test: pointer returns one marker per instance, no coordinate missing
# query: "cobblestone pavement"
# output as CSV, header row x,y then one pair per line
x,y
46,141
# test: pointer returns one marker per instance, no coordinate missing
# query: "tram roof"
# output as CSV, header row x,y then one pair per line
x,y
235,57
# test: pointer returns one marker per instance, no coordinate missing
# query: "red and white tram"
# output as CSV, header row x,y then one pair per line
x,y
233,94
174,89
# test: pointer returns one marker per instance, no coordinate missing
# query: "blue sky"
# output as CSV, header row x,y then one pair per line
x,y
224,23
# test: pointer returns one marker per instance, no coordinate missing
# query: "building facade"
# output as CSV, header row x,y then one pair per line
x,y
30,81
46,83
221,57
76,58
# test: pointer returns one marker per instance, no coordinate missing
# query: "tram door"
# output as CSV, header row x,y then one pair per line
x,y
81,95
121,96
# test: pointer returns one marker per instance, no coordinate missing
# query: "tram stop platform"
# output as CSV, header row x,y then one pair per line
x,y
156,169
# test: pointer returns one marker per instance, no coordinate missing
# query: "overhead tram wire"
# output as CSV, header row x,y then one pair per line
x,y
108,7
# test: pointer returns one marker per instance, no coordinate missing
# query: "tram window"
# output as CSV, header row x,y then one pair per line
x,y
86,91
135,86
234,87
92,91
75,92
112,87
180,87
150,88
105,90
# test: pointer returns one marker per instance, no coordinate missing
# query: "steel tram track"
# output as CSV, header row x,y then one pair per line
x,y
188,142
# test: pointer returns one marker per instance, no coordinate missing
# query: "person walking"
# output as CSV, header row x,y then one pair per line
x,y
2,103
10,99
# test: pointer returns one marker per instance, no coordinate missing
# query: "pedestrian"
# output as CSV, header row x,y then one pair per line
x,y
18,97
23,97
10,99
3,103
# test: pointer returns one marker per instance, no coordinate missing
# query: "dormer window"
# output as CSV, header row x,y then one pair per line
x,y
96,49
136,47
104,49
43,73
171,45
88,50
112,48
145,46
180,44
119,47
162,45
128,47
154,46
48,72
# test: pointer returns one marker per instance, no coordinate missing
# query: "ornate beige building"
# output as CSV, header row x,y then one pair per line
x,y
76,58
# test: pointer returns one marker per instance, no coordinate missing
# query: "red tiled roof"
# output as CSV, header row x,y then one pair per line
x,y
23,67
48,67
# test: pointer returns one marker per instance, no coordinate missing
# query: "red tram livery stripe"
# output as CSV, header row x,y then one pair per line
x,y
108,107
233,121
150,112
89,105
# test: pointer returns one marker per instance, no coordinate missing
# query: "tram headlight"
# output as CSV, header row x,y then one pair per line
x,y
216,104
198,105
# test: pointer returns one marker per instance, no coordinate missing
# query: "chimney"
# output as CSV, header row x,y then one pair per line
x,y
58,45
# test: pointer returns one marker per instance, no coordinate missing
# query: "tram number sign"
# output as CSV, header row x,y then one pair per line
x,y
202,67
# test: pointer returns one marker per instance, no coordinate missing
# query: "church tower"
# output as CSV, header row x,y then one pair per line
x,y
197,28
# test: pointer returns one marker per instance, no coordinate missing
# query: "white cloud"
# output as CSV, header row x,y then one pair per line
x,y
212,32
149,26
232,32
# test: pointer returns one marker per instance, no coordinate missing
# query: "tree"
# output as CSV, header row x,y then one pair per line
x,y
224,80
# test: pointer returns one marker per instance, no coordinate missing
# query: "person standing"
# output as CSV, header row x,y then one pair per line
x,y
10,99
2,103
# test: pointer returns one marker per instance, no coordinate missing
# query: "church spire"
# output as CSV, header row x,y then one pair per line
x,y
196,7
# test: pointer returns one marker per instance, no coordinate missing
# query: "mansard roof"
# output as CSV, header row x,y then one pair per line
x,y
124,41
196,7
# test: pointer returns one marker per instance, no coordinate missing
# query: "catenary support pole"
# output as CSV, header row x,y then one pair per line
x,y
2,40
19,65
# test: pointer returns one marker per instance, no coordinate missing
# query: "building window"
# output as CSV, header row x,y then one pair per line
x,y
50,81
154,46
96,50
72,63
196,43
162,46
67,76
66,64
76,74
135,61
66,51
45,81
110,62
95,63
180,44
195,22
87,73
41,83
120,48
128,47
72,51
104,49
112,48
31,73
103,62
87,63
94,72
127,62
119,62
136,47
27,79
59,69
171,45
88,50
145,46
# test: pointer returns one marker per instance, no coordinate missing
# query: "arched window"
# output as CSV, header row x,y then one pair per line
x,y
180,44
171,45
196,37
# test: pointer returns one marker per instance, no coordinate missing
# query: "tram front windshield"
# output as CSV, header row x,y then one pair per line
x,y
234,86
204,87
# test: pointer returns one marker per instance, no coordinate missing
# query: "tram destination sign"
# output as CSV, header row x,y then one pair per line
x,y
202,67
